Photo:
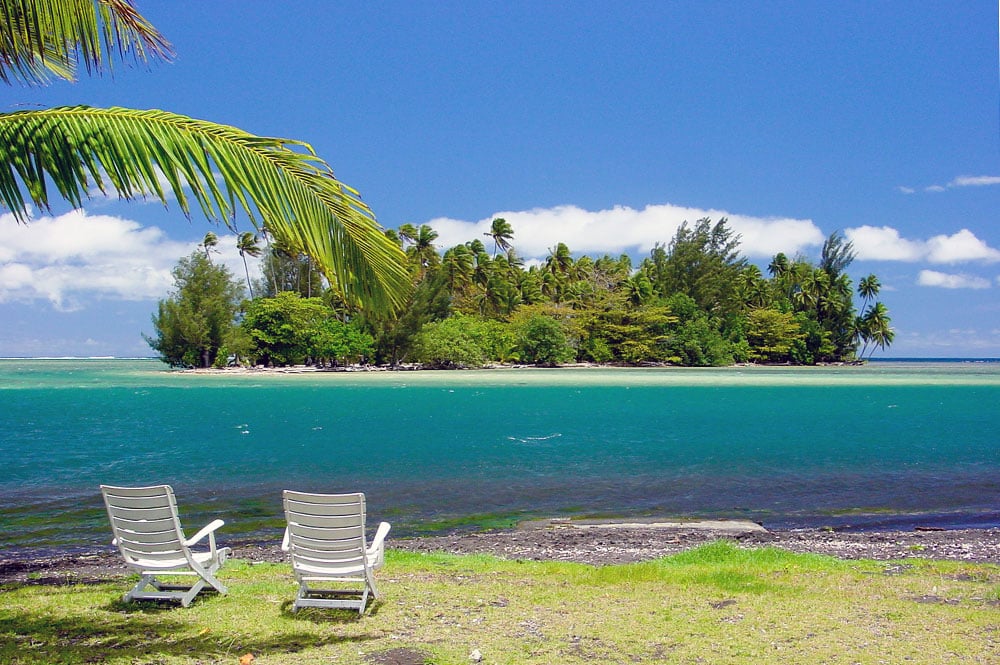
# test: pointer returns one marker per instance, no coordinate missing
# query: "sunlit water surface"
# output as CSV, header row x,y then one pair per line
x,y
887,445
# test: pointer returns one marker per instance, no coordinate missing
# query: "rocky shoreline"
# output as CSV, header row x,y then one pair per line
x,y
596,544
642,543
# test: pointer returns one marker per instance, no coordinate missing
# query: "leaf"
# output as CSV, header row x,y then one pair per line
x,y
41,39
280,184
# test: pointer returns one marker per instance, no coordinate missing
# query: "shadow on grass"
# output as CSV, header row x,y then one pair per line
x,y
136,632
324,615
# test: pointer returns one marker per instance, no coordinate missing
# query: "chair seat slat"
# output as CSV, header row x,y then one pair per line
x,y
327,521
138,502
150,555
332,533
140,526
329,510
148,546
355,498
151,513
320,538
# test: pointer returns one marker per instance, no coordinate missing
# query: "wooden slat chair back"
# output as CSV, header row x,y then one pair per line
x,y
325,537
148,533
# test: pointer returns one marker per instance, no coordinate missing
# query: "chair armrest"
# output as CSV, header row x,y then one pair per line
x,y
207,530
376,552
383,531
285,545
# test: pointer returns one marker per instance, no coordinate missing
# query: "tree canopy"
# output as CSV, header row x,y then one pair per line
x,y
197,321
694,301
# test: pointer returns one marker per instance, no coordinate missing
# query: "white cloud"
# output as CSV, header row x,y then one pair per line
x,y
962,246
949,281
975,181
622,229
75,256
884,243
960,181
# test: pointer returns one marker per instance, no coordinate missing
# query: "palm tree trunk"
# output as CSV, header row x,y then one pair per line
x,y
246,269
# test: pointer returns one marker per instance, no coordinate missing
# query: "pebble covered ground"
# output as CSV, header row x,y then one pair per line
x,y
610,544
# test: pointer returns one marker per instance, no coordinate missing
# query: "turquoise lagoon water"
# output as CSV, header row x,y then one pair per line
x,y
887,445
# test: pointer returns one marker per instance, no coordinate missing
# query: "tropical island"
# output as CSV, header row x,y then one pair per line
x,y
694,301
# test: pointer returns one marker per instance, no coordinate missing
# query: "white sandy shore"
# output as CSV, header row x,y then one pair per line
x,y
608,375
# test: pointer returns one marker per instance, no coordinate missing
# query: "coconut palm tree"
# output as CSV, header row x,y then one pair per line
x,y
131,153
407,234
476,246
209,243
778,265
559,260
530,286
422,253
875,325
812,289
868,288
638,289
515,262
751,287
457,268
246,243
482,269
501,232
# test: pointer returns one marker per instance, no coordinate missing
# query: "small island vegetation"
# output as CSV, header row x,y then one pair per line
x,y
694,301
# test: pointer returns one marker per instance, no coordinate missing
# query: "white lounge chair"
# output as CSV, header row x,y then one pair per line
x,y
326,539
149,536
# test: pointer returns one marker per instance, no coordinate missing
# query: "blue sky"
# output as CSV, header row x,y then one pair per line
x,y
602,125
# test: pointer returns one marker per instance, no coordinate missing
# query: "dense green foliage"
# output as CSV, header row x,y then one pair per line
x,y
694,301
289,330
197,320
450,343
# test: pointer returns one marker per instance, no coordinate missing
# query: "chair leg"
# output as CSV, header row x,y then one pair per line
x,y
136,591
210,577
165,592
370,579
346,599
303,591
364,602
187,597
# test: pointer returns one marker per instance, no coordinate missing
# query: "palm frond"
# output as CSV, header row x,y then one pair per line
x,y
281,185
41,39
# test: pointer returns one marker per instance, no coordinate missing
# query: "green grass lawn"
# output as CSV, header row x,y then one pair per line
x,y
714,604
